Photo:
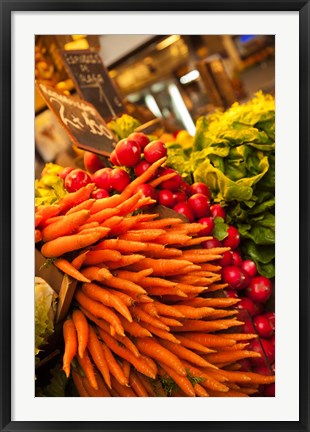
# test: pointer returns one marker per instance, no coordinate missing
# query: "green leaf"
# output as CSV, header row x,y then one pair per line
x,y
220,229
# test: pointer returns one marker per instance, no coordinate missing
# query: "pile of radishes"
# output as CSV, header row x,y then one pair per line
x,y
130,158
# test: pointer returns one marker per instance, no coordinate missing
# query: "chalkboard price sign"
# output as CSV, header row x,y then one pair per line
x,y
93,82
81,120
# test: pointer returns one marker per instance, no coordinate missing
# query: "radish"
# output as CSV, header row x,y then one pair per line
x,y
246,304
263,327
113,158
172,184
269,390
63,174
234,277
265,348
185,209
76,179
102,178
141,167
260,289
250,267
154,151
233,238
200,188
200,204
217,211
210,244
99,193
236,259
127,152
119,179
209,226
179,196
140,138
231,293
225,260
166,198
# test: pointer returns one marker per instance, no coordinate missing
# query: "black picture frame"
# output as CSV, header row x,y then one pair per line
x,y
7,7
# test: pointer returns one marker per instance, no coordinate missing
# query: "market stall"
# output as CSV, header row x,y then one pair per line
x,y
155,220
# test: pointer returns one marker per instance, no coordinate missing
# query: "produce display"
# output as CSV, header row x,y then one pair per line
x,y
170,301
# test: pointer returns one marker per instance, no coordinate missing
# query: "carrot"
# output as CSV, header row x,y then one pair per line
x,y
95,348
163,334
182,381
74,198
167,310
127,223
79,384
158,223
143,316
222,313
230,393
156,281
85,205
81,327
156,351
194,313
125,246
240,336
87,226
126,366
124,285
210,340
70,340
64,244
160,251
65,266
200,391
236,377
161,291
92,273
186,354
217,302
103,215
100,256
38,219
126,299
138,363
78,261
46,212
230,356
248,391
170,321
146,384
141,235
114,367
188,343
190,289
122,390
112,221
88,369
216,287
135,329
102,295
143,178
161,267
53,219
104,203
260,379
135,277
90,390
37,235
207,326
172,238
100,311
157,181
197,240
137,385
207,381
105,326
150,309
126,260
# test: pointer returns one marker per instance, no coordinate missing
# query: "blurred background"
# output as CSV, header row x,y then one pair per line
x,y
171,78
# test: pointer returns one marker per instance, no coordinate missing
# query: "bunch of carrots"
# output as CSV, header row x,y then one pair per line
x,y
145,320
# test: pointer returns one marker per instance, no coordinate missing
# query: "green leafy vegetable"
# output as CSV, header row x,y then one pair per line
x,y
123,126
49,189
220,229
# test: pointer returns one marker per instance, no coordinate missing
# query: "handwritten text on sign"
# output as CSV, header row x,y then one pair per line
x,y
93,81
81,120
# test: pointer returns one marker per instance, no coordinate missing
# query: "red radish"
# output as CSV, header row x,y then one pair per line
x,y
271,318
265,348
154,151
63,174
209,226
273,340
172,184
248,326
185,209
259,308
263,370
233,276
140,138
76,179
141,167
236,259
113,158
148,191
179,196
225,260
99,193
231,293
200,204
250,267
246,281
166,198
128,152
92,162
119,179
217,211
186,188
269,390
210,244
263,326
245,365
233,238
102,178
202,188
246,304
260,289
